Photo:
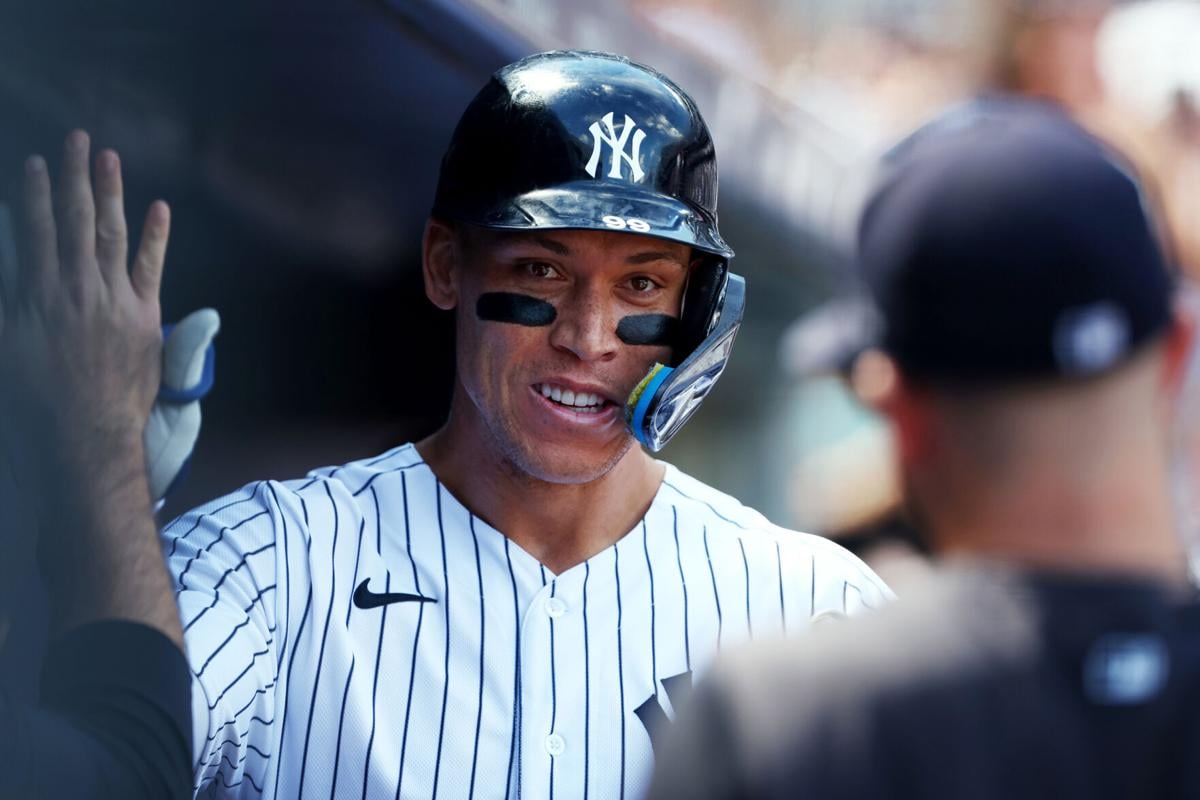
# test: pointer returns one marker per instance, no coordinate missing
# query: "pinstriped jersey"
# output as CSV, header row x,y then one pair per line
x,y
360,633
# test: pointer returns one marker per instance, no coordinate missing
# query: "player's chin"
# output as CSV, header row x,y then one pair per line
x,y
567,462
565,445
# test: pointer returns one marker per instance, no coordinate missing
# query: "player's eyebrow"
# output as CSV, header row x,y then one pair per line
x,y
511,244
561,249
552,245
649,256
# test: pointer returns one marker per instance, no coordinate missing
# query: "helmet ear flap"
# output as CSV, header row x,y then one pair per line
x,y
701,304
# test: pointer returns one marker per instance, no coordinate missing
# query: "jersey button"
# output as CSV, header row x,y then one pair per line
x,y
555,745
555,607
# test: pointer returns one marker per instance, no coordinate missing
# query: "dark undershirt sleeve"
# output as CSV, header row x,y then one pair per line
x,y
114,721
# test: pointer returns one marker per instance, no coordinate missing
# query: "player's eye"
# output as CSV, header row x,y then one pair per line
x,y
642,285
539,269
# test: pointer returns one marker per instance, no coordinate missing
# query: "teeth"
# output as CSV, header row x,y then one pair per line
x,y
566,397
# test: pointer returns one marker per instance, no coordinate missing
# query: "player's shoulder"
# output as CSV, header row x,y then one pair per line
x,y
964,660
357,478
338,490
354,487
695,502
723,516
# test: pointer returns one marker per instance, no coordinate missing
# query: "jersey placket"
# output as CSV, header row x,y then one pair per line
x,y
552,728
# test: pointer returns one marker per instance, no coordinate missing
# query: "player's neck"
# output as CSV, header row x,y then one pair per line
x,y
559,524
1119,520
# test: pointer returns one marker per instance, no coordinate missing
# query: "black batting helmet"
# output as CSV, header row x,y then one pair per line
x,y
583,140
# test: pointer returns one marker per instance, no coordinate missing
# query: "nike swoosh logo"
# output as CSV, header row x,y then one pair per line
x,y
365,598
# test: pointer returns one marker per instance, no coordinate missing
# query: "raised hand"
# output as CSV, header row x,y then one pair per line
x,y
80,364
80,335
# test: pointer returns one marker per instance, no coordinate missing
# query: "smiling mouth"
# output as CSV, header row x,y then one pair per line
x,y
582,402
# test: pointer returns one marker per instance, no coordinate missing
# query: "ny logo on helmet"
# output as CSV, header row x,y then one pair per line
x,y
608,135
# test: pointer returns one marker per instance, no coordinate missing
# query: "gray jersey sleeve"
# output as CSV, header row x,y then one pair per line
x,y
699,759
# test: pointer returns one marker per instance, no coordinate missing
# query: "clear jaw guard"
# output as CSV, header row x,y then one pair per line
x,y
668,396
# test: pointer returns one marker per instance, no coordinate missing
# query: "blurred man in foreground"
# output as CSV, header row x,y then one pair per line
x,y
1028,315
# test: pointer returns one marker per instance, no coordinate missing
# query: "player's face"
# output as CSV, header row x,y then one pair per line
x,y
542,353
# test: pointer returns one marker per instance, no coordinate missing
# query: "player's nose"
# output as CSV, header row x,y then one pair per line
x,y
586,327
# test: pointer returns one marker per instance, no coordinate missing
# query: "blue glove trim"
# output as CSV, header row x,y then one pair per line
x,y
643,403
207,375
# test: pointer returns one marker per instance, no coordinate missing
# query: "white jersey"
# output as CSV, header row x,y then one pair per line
x,y
362,634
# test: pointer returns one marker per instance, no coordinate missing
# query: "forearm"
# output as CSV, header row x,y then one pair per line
x,y
100,554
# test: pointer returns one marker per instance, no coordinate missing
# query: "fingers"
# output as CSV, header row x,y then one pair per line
x,y
90,229
112,238
152,251
77,221
41,271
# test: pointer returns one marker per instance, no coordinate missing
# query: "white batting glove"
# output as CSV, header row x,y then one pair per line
x,y
187,375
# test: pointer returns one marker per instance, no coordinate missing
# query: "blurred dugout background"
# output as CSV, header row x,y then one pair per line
x,y
298,143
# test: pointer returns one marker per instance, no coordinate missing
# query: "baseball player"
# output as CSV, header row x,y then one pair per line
x,y
1028,318
515,606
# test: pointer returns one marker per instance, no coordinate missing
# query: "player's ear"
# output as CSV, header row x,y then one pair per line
x,y
1180,341
909,409
440,256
